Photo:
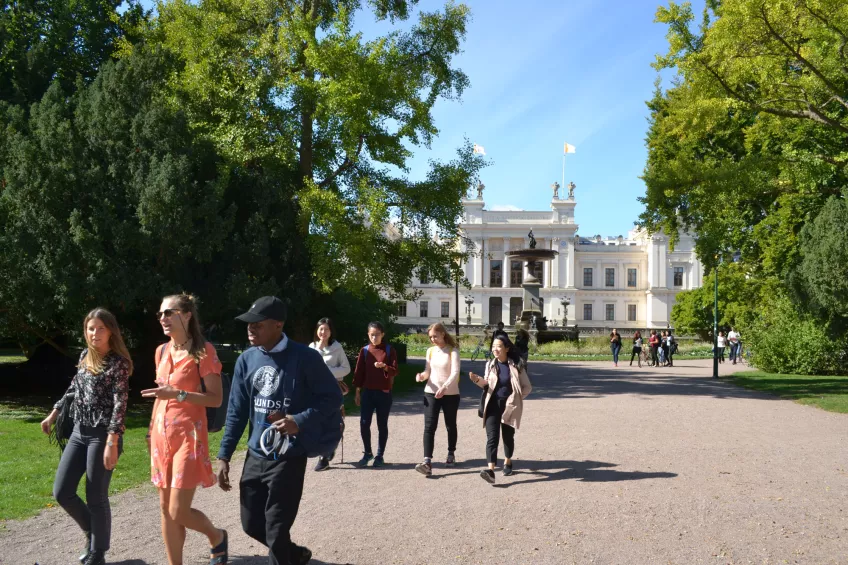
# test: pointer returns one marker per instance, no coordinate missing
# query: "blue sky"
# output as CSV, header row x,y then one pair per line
x,y
544,72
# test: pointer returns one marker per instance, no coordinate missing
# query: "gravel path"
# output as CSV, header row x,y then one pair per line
x,y
613,465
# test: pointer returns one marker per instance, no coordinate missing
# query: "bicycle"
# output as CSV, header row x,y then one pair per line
x,y
481,347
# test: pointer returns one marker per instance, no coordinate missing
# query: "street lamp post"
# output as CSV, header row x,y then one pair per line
x,y
468,302
715,324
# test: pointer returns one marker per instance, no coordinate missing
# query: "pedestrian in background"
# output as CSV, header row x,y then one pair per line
x,y
615,345
325,343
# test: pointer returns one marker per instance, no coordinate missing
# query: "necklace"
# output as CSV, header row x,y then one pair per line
x,y
181,346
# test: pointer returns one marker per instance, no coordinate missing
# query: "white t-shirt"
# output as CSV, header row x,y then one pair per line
x,y
722,341
733,337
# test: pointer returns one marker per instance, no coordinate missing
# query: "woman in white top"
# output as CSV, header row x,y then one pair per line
x,y
336,360
722,343
441,372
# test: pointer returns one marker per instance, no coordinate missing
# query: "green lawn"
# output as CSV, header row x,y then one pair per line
x,y
29,462
827,393
422,351
11,356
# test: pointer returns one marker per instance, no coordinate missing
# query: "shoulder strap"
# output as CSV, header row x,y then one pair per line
x,y
161,352
388,350
366,350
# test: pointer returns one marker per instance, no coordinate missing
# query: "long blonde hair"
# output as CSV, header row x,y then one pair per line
x,y
93,361
440,327
188,303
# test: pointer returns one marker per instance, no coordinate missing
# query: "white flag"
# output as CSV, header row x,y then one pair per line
x,y
569,149
479,150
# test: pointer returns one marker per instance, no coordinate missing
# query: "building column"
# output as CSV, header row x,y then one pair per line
x,y
554,265
487,269
505,266
478,268
570,263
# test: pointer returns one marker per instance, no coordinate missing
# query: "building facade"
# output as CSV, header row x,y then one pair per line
x,y
624,282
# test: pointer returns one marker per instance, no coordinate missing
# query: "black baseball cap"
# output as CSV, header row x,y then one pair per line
x,y
266,308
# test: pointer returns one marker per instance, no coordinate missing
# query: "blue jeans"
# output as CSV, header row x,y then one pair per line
x,y
616,349
380,402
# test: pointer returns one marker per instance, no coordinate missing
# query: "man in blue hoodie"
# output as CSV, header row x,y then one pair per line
x,y
283,390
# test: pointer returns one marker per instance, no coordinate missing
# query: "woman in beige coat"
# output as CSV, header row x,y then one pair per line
x,y
507,385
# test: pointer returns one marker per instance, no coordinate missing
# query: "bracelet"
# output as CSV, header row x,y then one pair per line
x,y
147,436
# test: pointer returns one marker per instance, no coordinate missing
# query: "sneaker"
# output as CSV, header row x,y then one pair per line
x,y
299,555
96,557
488,476
451,460
424,468
366,457
323,464
378,461
507,469
87,550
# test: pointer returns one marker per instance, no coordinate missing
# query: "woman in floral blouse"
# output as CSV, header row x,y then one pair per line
x,y
99,396
178,437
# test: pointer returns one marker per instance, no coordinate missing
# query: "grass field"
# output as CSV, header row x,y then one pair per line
x,y
11,356
29,461
827,393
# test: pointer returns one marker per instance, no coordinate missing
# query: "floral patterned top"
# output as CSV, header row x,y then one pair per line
x,y
101,399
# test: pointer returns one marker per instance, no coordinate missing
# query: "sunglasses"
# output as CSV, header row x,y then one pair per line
x,y
168,312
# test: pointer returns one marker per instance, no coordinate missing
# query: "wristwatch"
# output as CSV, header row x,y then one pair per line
x,y
181,395
110,443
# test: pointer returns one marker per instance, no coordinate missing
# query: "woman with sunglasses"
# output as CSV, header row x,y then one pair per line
x,y
99,396
178,438
441,372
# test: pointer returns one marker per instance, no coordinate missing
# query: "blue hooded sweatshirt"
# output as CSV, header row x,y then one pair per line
x,y
261,382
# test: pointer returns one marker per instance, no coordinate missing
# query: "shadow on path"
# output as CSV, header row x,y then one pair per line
x,y
254,560
527,472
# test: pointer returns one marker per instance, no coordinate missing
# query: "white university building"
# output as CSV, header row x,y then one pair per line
x,y
625,282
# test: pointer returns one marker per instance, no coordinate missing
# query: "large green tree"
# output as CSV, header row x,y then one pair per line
x,y
751,139
292,84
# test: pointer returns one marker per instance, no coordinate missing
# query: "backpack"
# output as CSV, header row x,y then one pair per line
x,y
215,417
317,441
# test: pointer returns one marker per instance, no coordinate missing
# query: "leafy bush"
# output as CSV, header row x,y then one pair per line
x,y
786,341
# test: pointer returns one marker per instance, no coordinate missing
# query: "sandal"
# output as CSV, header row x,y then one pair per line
x,y
222,549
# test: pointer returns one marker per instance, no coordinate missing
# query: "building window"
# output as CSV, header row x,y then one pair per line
x,y
422,309
587,311
610,312
516,274
631,312
423,277
678,276
609,275
631,278
587,280
496,273
445,309
401,309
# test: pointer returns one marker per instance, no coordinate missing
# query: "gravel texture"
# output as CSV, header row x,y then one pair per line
x,y
612,465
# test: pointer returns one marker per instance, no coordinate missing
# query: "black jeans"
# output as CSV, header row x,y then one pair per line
x,y
655,356
83,455
432,406
721,355
380,402
270,494
495,428
636,353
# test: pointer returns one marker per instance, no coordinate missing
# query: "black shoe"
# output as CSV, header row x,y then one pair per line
x,y
323,464
87,550
507,469
96,557
488,476
299,555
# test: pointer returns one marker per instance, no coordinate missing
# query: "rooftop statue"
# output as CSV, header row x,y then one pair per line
x,y
480,187
555,188
571,187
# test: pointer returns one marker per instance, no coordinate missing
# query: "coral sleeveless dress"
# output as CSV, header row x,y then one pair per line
x,y
179,441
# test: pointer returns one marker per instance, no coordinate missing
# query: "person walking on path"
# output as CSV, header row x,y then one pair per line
x,y
522,344
98,397
376,368
334,356
507,385
671,347
188,373
615,345
733,338
637,349
282,389
654,343
721,343
664,349
441,393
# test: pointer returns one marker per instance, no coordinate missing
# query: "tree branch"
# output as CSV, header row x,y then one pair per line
x,y
346,165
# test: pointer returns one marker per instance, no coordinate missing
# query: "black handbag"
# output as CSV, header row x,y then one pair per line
x,y
481,410
63,427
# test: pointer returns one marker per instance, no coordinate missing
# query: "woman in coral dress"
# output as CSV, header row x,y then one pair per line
x,y
178,437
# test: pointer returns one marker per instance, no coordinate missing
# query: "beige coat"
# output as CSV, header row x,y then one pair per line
x,y
521,387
